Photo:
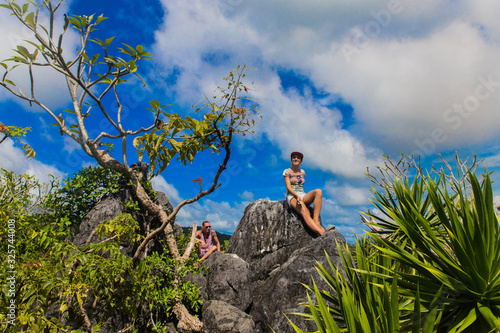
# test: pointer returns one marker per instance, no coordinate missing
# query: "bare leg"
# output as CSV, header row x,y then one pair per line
x,y
212,250
316,198
304,212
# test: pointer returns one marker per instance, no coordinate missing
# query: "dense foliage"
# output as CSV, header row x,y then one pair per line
x,y
57,282
433,265
80,193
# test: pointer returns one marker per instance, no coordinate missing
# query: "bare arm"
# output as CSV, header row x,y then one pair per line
x,y
214,237
199,240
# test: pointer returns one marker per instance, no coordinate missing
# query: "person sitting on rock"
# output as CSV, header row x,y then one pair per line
x,y
298,199
207,240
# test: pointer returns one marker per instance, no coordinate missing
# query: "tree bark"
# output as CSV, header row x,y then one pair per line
x,y
187,323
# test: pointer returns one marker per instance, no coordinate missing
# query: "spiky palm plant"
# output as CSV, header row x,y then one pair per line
x,y
438,271
454,248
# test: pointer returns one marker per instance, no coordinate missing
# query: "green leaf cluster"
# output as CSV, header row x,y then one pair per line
x,y
17,133
80,193
183,137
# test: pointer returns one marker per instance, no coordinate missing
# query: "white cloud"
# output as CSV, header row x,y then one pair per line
x,y
297,123
347,195
13,159
70,145
160,184
417,86
48,83
247,196
423,58
483,13
492,161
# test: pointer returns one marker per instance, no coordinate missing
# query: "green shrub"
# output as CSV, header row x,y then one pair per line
x,y
91,282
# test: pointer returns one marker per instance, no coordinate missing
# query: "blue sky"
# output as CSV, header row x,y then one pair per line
x,y
345,82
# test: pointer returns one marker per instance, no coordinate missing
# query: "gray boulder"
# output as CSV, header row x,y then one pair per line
x,y
282,291
111,207
221,317
228,280
267,235
281,253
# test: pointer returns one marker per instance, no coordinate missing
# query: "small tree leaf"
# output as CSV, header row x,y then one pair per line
x,y
10,82
100,18
23,51
108,41
30,19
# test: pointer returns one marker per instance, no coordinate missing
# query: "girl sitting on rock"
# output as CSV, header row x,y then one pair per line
x,y
298,199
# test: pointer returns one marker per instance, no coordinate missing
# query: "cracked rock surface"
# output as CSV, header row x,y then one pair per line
x,y
269,255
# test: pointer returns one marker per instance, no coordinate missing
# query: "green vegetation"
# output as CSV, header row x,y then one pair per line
x,y
433,265
57,280
80,193
17,133
58,276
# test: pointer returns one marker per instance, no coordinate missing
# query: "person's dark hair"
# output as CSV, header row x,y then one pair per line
x,y
204,222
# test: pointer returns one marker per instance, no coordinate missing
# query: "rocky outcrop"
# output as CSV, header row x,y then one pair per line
x,y
282,291
258,280
228,280
221,317
267,235
280,253
112,206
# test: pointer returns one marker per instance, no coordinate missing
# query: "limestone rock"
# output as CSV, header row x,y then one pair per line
x,y
111,207
281,253
267,235
282,290
221,317
228,280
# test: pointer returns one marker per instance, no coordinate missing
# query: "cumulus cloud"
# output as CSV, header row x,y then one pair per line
x,y
435,92
160,184
493,161
247,196
422,76
297,123
48,83
13,159
70,145
347,195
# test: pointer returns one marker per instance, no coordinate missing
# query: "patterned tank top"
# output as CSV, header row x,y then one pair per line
x,y
297,180
207,241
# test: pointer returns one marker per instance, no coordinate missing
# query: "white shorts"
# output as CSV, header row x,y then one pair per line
x,y
290,196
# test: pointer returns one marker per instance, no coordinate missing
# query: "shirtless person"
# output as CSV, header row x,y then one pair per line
x,y
207,239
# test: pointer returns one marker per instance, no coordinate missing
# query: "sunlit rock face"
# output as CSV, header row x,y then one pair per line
x,y
269,255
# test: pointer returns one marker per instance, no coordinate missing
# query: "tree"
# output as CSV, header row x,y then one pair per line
x,y
92,77
52,286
